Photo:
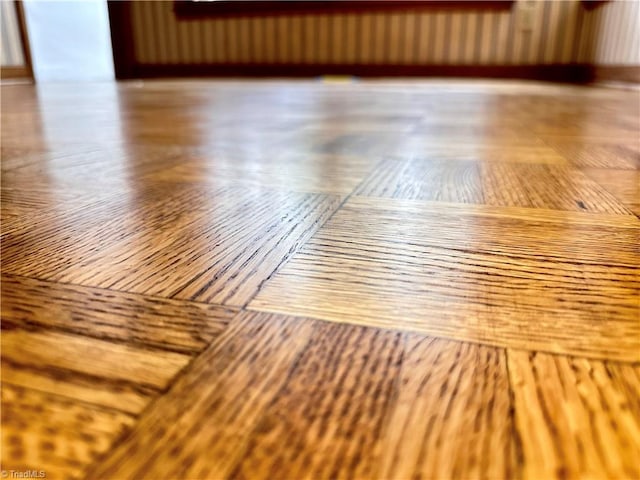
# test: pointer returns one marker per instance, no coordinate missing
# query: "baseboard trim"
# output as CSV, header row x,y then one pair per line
x,y
15,72
616,73
575,73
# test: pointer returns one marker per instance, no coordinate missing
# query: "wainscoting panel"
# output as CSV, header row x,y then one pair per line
x,y
538,38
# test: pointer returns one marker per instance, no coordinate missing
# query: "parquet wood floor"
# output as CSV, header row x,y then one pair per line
x,y
375,280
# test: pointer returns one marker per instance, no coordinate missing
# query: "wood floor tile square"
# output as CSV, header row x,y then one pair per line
x,y
160,323
622,184
508,184
370,409
293,171
361,402
619,154
115,375
336,393
557,281
214,245
573,413
457,262
480,152
46,433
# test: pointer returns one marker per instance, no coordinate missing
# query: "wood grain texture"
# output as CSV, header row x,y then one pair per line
x,y
159,257
572,413
352,402
439,382
98,365
501,184
296,171
419,147
396,402
623,154
473,246
214,406
173,325
622,184
42,432
484,274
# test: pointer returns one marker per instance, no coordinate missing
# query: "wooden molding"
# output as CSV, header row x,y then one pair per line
x,y
19,71
121,38
593,4
24,40
617,73
575,73
227,8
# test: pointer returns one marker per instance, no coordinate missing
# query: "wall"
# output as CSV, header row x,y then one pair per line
x,y
492,37
70,40
617,30
11,54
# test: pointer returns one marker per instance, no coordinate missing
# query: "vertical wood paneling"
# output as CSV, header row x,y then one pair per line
x,y
12,54
160,21
256,39
606,34
394,45
379,38
408,26
323,38
171,33
270,39
283,36
532,39
242,39
502,34
454,47
196,35
562,32
234,39
423,44
310,38
510,47
487,32
570,38
350,42
439,40
365,42
584,37
208,41
296,39
634,40
139,33
551,26
613,35
470,39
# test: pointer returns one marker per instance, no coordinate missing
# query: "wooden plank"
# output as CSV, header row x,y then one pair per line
x,y
352,402
15,71
138,217
576,418
54,435
505,280
451,416
102,358
214,406
416,147
173,325
368,403
500,184
623,184
148,248
331,410
616,155
294,171
102,379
